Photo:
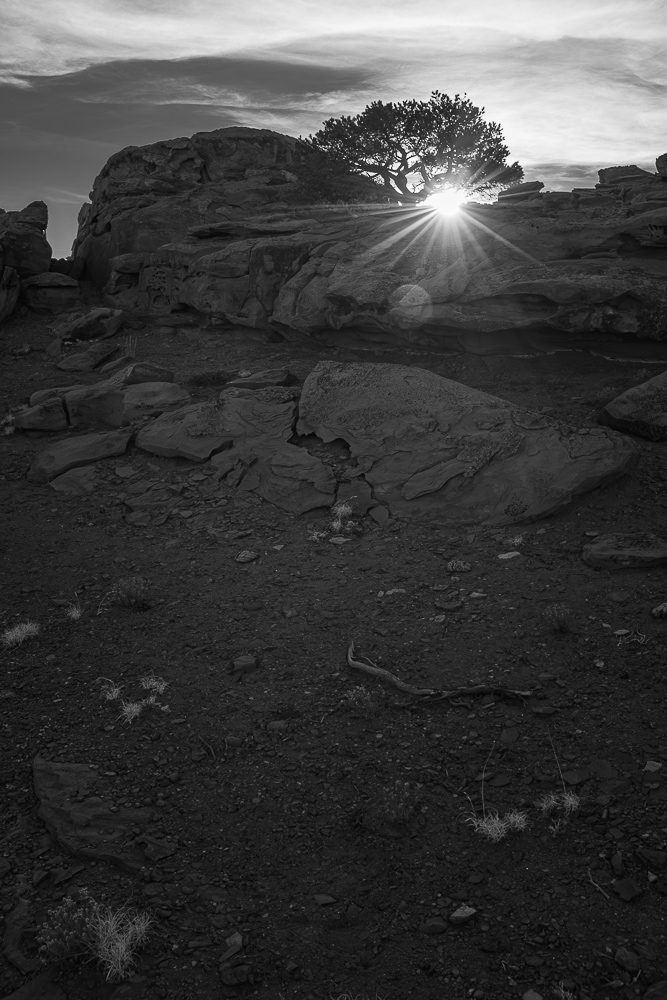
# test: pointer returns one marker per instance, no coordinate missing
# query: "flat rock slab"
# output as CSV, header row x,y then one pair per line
x,y
116,404
135,373
56,392
89,360
83,822
76,482
629,551
288,477
641,410
47,416
198,431
97,324
432,447
261,380
190,432
77,451
268,412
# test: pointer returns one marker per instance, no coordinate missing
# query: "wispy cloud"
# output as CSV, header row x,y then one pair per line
x,y
78,33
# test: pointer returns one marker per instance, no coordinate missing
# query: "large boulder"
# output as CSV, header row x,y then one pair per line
x,y
487,281
51,293
432,447
641,410
23,239
10,287
661,165
146,196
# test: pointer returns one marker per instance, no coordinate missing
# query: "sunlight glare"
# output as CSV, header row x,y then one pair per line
x,y
447,202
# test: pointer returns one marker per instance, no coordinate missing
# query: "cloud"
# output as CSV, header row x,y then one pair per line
x,y
80,33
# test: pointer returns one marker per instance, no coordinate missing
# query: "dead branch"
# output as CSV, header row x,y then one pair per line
x,y
435,694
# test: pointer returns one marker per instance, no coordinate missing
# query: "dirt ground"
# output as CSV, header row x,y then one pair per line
x,y
319,820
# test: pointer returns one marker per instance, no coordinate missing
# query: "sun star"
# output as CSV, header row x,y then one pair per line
x,y
447,202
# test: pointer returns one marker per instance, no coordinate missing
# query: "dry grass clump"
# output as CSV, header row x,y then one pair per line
x,y
361,701
559,617
17,634
395,803
83,927
152,683
491,824
110,691
340,513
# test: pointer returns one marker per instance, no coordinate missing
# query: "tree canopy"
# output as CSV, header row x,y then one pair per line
x,y
415,148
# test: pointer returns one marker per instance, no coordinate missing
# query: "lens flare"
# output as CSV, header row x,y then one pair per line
x,y
447,202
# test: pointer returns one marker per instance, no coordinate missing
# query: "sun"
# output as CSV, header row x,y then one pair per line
x,y
447,202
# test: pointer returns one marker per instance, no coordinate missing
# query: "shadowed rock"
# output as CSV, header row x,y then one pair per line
x,y
51,293
628,551
25,247
77,451
83,822
432,447
641,410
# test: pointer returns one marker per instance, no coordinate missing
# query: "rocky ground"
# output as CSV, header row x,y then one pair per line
x,y
295,826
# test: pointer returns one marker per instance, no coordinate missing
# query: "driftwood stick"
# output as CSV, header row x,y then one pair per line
x,y
369,667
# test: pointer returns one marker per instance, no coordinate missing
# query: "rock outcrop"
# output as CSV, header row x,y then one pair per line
x,y
640,410
23,240
491,281
408,442
217,229
147,196
430,447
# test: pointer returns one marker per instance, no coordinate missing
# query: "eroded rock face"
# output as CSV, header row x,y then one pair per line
x,y
51,293
10,287
147,196
432,447
640,410
23,240
488,282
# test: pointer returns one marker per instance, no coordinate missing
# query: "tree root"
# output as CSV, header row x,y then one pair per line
x,y
434,694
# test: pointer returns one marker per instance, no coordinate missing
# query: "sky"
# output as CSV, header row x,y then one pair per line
x,y
575,84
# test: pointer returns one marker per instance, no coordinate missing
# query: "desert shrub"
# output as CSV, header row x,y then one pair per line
x,y
82,927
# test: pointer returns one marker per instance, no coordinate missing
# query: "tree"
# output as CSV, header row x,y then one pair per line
x,y
415,148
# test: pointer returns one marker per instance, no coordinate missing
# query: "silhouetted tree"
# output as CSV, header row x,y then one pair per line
x,y
415,148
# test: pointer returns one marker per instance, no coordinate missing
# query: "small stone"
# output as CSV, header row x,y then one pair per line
x,y
245,663
449,605
463,915
434,925
509,555
509,736
531,995
627,889
138,519
323,900
627,959
653,858
246,556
